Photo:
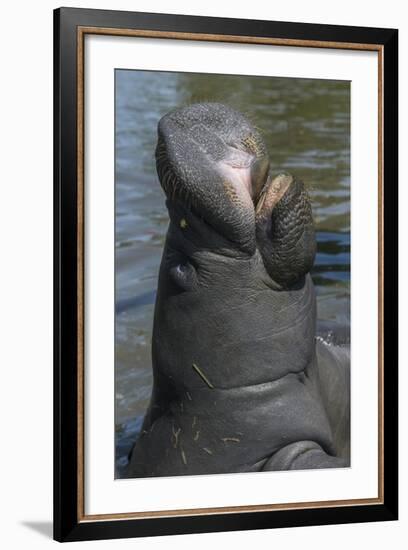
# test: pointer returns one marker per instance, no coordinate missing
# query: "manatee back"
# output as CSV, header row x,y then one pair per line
x,y
334,374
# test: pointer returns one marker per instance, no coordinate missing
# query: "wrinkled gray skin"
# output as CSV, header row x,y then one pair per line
x,y
240,382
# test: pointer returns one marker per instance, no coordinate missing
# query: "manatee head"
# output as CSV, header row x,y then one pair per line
x,y
215,170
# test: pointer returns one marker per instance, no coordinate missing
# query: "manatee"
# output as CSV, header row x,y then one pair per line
x,y
240,381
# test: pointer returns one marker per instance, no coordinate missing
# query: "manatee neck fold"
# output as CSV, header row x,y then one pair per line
x,y
230,330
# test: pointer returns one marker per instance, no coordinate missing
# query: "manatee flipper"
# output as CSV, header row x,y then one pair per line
x,y
303,455
334,375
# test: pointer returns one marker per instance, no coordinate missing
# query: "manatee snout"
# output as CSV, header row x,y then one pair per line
x,y
213,161
285,230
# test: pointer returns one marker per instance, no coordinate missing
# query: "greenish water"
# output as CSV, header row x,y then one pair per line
x,y
306,125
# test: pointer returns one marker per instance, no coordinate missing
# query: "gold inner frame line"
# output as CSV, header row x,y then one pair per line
x,y
81,33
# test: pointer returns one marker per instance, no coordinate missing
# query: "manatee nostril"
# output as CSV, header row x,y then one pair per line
x,y
259,175
272,192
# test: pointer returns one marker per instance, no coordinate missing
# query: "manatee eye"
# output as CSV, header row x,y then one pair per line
x,y
184,275
181,270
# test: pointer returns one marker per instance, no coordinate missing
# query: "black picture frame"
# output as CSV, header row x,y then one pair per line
x,y
69,524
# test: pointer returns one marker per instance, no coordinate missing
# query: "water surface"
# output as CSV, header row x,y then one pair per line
x,y
306,126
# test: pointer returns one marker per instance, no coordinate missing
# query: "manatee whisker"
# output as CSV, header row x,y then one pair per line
x,y
167,178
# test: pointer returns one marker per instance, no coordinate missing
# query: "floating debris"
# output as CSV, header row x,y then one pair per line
x,y
176,435
203,376
189,396
323,341
194,421
209,451
197,435
234,439
183,456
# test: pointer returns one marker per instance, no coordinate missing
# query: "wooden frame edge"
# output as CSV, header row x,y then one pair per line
x,y
206,37
225,510
81,32
80,272
380,297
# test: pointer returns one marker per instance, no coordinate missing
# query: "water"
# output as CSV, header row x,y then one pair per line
x,y
306,126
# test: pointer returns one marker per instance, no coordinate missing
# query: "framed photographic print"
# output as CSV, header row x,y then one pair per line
x,y
225,274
